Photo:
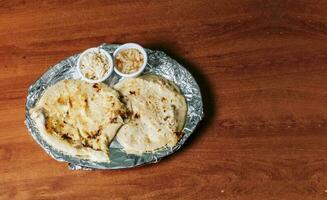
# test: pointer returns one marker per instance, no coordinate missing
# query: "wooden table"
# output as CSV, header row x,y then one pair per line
x,y
262,69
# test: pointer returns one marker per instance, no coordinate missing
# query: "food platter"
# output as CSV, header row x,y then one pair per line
x,y
158,63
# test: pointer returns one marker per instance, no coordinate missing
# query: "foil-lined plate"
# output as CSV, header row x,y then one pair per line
x,y
158,63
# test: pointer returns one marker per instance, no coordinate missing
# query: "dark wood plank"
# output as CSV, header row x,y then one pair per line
x,y
261,66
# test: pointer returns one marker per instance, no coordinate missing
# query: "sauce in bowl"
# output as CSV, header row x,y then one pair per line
x,y
129,61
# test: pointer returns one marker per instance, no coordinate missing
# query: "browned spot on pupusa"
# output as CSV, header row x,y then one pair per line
x,y
109,98
65,136
113,120
96,87
163,99
136,116
86,103
61,100
48,125
95,134
178,133
85,143
70,102
123,114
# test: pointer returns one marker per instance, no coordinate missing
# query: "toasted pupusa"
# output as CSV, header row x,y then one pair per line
x,y
79,119
158,114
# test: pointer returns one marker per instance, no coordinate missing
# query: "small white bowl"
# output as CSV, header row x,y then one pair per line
x,y
110,62
131,46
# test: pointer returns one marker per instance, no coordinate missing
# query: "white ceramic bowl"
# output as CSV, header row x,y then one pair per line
x,y
131,46
110,62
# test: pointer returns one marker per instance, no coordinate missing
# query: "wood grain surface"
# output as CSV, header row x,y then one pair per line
x,y
262,69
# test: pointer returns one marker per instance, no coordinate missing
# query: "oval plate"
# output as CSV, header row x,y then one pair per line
x,y
158,63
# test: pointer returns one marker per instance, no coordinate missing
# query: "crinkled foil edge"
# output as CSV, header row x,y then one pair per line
x,y
158,63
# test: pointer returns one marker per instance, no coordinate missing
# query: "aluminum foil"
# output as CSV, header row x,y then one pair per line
x,y
158,63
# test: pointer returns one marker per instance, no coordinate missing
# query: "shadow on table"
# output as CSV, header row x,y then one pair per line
x,y
206,91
